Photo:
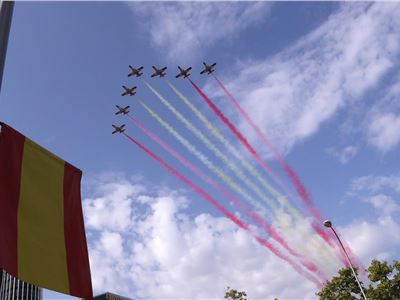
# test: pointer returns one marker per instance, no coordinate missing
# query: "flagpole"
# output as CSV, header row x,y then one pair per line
x,y
6,11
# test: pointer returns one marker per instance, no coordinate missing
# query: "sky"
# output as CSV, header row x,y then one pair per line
x,y
321,81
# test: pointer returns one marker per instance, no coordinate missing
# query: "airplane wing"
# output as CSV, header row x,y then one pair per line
x,y
155,69
131,67
153,75
189,69
140,69
179,75
180,68
124,94
118,112
163,69
202,72
204,64
213,65
127,107
123,126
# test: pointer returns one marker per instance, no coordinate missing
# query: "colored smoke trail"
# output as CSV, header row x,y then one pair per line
x,y
213,148
204,159
247,145
317,242
232,198
225,142
302,191
256,156
224,211
290,172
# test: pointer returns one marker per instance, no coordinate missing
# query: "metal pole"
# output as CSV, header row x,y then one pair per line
x,y
6,11
329,225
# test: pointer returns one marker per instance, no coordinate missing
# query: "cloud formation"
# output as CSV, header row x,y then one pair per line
x,y
343,155
183,29
291,94
165,252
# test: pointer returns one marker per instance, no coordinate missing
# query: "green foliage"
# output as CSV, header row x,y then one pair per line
x,y
385,284
232,294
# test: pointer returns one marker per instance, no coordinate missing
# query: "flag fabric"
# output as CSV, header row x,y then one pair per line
x,y
42,234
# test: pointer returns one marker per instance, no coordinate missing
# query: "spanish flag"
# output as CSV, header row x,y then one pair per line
x,y
42,234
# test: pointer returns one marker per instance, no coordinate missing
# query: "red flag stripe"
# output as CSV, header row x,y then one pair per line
x,y
11,152
75,238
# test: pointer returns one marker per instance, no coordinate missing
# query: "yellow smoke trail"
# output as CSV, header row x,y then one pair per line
x,y
204,159
282,199
214,149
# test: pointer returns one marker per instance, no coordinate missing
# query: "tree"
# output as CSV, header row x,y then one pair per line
x,y
385,284
232,294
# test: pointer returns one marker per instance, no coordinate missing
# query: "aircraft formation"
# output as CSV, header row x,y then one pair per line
x,y
160,72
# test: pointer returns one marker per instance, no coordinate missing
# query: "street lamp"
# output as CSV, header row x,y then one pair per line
x,y
328,224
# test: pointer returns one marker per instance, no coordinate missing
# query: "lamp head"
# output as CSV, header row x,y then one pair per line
x,y
328,223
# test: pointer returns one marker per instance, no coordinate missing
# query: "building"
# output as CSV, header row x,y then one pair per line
x,y
110,296
12,288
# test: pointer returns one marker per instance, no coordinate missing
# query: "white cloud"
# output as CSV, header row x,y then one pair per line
x,y
378,238
343,155
384,131
291,94
183,29
373,184
163,252
384,204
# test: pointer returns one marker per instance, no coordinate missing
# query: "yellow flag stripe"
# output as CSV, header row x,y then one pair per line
x,y
41,242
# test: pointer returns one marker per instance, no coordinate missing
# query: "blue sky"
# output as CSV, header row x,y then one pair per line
x,y
321,79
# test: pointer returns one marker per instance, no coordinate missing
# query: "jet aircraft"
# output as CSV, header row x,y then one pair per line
x,y
183,72
122,110
159,72
129,91
208,68
119,129
135,72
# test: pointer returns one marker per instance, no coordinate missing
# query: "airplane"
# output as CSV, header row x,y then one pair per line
x,y
119,129
135,72
184,72
208,68
129,91
159,72
122,110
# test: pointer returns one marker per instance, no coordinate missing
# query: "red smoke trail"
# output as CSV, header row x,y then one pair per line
x,y
254,153
223,210
237,133
288,169
259,220
301,189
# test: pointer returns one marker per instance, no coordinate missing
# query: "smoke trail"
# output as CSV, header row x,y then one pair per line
x,y
213,148
200,156
232,198
290,172
248,166
234,152
241,138
287,168
224,211
254,153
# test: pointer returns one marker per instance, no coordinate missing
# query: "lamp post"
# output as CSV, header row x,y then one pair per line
x,y
328,224
6,11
